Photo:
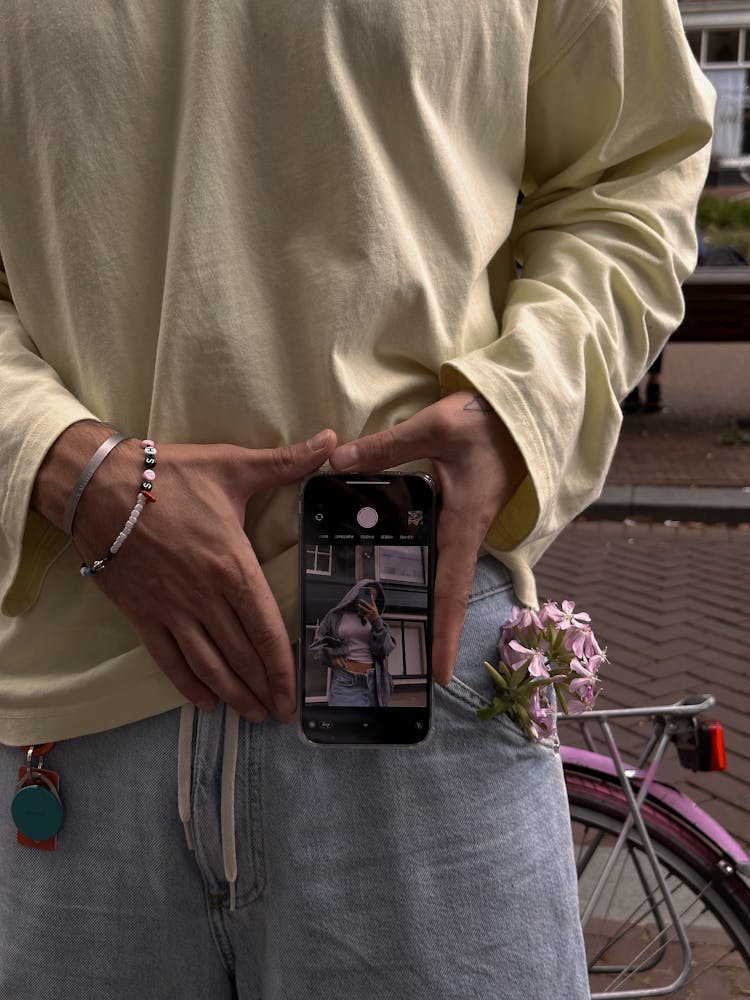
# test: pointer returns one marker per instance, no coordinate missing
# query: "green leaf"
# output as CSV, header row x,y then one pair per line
x,y
504,670
523,716
519,674
524,719
500,681
498,707
561,699
540,682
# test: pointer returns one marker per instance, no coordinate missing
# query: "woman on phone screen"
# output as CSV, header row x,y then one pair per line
x,y
354,641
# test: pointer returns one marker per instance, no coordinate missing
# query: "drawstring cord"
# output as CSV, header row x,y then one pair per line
x,y
228,774
185,770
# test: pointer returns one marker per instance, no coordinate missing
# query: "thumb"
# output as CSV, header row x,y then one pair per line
x,y
406,442
270,467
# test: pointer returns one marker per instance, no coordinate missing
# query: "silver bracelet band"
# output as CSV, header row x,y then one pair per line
x,y
84,479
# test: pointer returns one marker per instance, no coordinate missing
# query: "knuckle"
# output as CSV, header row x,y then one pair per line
x,y
266,637
443,424
207,671
284,458
383,447
228,571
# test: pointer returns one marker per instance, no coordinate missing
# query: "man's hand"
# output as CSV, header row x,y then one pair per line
x,y
187,577
479,467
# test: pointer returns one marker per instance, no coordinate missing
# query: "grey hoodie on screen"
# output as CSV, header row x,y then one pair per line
x,y
329,645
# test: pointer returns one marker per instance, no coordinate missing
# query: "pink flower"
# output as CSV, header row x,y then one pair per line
x,y
564,618
555,645
537,662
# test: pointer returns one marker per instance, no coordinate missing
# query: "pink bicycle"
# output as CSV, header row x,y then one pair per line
x,y
664,889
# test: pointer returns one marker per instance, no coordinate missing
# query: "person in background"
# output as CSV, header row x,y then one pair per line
x,y
354,642
652,402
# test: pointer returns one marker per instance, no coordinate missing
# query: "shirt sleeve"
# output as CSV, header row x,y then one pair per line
x,y
35,408
617,130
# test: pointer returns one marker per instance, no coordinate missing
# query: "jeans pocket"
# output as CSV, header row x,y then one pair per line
x,y
471,686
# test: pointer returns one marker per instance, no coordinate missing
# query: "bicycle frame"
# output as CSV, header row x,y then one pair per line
x,y
639,782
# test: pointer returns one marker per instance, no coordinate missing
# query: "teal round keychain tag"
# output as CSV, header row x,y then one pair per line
x,y
37,812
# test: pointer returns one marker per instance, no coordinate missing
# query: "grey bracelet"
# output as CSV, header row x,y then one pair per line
x,y
85,478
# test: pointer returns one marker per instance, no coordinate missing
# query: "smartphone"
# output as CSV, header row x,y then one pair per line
x,y
367,566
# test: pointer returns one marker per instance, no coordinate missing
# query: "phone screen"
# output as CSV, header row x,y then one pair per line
x,y
367,554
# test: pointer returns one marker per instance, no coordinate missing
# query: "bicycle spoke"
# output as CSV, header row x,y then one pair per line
x,y
633,919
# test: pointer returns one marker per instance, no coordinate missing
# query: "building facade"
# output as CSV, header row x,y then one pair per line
x,y
719,35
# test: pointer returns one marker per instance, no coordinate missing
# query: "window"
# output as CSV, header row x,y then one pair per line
x,y
730,136
409,659
722,46
318,559
401,564
724,56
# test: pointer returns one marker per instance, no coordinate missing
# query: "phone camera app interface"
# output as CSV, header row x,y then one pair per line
x,y
366,600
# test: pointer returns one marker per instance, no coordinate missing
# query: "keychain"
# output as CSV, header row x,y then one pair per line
x,y
37,808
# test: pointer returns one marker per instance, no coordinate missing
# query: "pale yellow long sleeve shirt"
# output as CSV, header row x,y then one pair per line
x,y
243,221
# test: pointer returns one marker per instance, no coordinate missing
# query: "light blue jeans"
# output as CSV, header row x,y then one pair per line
x,y
352,690
439,872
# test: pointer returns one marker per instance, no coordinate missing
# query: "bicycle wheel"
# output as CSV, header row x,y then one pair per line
x,y
632,942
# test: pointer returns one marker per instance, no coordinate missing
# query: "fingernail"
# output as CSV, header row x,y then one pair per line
x,y
319,442
345,456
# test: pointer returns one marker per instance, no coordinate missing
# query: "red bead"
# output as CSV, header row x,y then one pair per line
x,y
148,496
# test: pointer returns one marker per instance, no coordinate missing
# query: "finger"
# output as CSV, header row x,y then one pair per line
x,y
269,467
228,635
458,546
416,438
168,655
209,666
251,599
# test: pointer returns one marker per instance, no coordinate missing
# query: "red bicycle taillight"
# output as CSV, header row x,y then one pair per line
x,y
701,748
717,751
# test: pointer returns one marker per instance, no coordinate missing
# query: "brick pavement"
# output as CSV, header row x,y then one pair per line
x,y
668,449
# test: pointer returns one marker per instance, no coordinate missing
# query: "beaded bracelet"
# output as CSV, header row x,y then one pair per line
x,y
144,496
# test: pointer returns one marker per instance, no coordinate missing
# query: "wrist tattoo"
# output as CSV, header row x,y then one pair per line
x,y
478,404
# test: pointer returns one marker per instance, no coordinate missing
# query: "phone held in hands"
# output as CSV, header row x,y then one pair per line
x,y
367,566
